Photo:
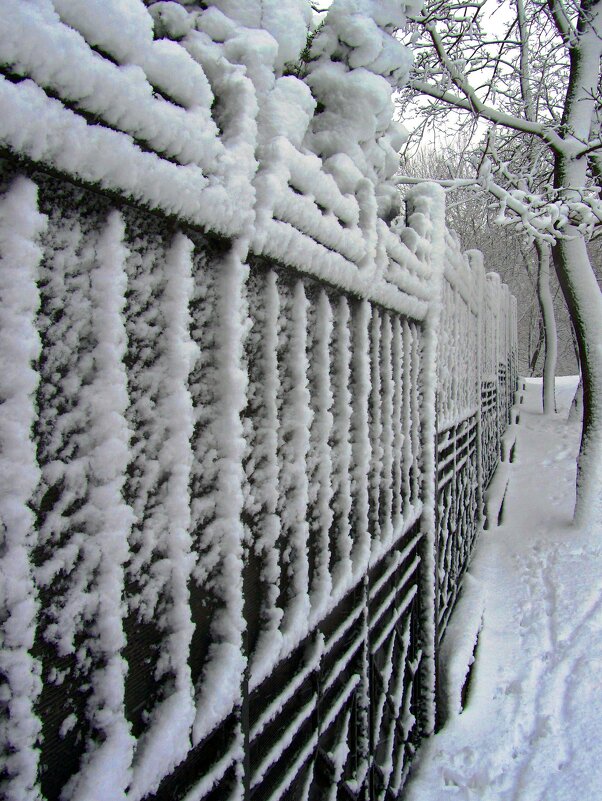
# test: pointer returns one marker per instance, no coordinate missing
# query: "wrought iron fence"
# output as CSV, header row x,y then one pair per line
x,y
249,425
303,634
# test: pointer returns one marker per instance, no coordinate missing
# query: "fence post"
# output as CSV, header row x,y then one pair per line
x,y
426,214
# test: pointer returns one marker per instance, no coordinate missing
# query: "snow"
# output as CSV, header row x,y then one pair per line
x,y
84,445
287,22
219,456
20,228
283,741
293,446
376,430
41,128
360,437
107,520
340,549
303,756
233,755
531,726
121,95
261,462
320,458
166,535
153,134
275,706
355,60
423,200
211,116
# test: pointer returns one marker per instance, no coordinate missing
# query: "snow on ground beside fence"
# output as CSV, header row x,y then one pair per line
x,y
532,725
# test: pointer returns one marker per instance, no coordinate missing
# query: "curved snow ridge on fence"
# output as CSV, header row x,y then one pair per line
x,y
230,116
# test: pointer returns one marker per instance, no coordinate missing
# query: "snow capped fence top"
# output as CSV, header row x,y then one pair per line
x,y
239,117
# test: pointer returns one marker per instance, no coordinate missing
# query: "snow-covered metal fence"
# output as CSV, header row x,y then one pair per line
x,y
248,412
476,380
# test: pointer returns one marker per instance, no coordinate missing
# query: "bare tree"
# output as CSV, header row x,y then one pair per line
x,y
522,263
535,85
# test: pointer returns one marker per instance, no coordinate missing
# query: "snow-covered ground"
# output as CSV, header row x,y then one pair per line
x,y
531,729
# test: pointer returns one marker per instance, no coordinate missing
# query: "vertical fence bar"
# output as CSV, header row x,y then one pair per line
x,y
20,227
426,214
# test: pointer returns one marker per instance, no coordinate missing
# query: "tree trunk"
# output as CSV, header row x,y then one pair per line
x,y
546,306
584,302
575,273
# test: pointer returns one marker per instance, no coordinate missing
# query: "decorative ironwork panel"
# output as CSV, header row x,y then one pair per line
x,y
394,658
338,718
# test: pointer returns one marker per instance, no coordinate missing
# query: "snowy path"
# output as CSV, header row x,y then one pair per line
x,y
532,726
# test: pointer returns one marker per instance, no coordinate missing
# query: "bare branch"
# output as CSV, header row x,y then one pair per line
x,y
562,22
491,114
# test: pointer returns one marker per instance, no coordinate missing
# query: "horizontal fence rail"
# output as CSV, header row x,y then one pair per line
x,y
249,410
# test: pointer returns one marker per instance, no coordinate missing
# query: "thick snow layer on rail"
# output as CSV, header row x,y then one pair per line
x,y
531,727
222,117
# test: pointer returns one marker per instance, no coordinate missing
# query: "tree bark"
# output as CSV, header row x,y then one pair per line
x,y
546,306
534,355
576,410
